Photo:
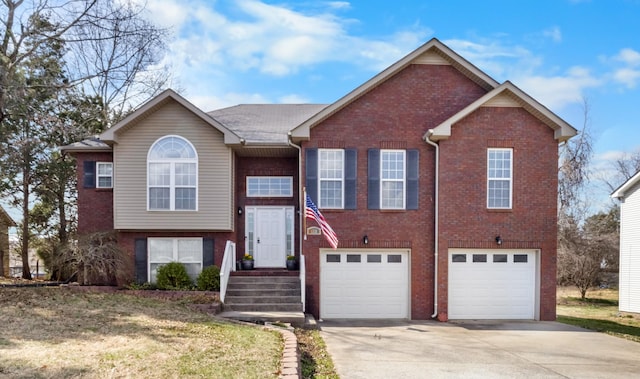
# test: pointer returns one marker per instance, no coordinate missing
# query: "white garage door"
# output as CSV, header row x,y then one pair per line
x,y
371,284
492,284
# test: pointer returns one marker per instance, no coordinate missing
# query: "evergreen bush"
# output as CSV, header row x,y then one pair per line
x,y
209,279
173,276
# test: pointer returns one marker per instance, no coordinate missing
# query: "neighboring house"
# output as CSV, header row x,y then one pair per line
x,y
629,265
5,223
440,182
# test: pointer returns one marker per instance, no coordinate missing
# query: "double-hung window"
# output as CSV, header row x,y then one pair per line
x,y
331,178
172,176
499,178
104,173
187,251
392,179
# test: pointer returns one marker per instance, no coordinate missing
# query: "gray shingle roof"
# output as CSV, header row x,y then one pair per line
x,y
265,123
89,144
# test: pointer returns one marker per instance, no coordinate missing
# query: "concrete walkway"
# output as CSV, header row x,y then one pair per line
x,y
429,349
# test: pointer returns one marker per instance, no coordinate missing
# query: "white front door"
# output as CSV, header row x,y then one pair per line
x,y
268,234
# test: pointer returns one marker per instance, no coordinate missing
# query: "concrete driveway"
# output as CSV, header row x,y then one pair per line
x,y
523,349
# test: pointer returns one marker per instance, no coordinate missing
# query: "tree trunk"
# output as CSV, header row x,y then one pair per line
x,y
26,271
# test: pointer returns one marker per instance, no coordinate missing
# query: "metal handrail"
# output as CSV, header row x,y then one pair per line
x,y
228,265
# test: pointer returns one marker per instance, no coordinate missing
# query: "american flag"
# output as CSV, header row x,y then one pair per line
x,y
311,211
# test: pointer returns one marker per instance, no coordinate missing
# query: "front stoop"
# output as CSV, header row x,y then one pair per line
x,y
259,299
296,319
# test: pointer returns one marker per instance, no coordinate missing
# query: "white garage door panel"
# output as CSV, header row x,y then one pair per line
x,y
492,290
364,289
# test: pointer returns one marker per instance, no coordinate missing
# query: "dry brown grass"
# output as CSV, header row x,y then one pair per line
x,y
56,332
599,311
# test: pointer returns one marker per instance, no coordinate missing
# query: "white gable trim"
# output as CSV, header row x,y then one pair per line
x,y
626,186
422,55
563,131
111,134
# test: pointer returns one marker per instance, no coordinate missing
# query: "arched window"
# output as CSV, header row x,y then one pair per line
x,y
172,175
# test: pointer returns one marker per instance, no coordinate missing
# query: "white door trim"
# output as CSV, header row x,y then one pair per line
x,y
267,242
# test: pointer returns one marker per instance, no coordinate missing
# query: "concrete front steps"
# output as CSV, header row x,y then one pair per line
x,y
264,296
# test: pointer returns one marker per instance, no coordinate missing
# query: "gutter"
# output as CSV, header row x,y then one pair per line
x,y
437,199
300,194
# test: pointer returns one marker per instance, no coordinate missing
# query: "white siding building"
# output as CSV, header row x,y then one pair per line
x,y
629,196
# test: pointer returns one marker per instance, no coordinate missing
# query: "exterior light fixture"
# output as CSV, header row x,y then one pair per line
x,y
365,239
239,211
499,241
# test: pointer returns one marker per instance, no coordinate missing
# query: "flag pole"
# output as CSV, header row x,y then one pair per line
x,y
304,212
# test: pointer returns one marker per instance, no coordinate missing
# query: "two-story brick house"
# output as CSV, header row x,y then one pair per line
x,y
439,181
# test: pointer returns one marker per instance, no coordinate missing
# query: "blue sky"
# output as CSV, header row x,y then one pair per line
x,y
559,51
224,53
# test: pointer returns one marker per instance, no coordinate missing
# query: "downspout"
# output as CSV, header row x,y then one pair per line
x,y
428,140
300,200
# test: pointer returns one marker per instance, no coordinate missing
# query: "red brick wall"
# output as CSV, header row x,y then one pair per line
x,y
95,205
126,241
396,114
246,166
465,220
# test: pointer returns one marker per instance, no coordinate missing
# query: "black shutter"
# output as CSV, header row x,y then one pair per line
x,y
89,179
413,173
311,169
350,176
207,252
141,260
373,195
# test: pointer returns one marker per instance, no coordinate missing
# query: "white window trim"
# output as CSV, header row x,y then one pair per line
x,y
172,186
320,179
403,180
175,252
510,179
288,178
98,176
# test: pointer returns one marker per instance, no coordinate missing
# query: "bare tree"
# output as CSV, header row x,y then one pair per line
x,y
94,259
116,56
113,50
577,262
624,168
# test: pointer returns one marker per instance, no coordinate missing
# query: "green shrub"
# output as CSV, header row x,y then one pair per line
x,y
209,279
173,276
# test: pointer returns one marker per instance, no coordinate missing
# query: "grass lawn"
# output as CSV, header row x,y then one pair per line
x,y
315,361
599,311
57,332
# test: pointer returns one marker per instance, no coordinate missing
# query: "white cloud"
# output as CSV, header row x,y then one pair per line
x,y
559,91
215,46
629,56
554,33
627,76
293,99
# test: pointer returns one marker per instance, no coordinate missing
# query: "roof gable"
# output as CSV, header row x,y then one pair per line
x,y
432,52
621,191
6,219
111,134
508,95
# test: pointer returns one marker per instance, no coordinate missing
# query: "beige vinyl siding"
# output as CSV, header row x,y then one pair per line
x,y
215,168
630,251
